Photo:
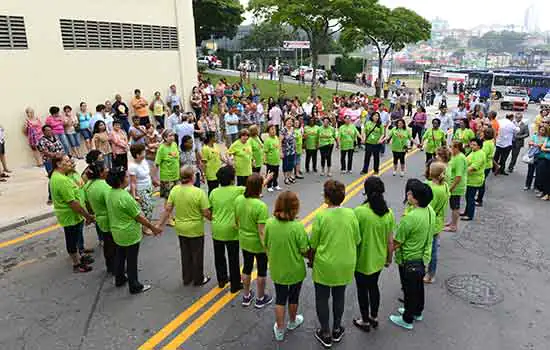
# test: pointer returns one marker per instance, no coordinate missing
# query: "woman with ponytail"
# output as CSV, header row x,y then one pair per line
x,y
376,225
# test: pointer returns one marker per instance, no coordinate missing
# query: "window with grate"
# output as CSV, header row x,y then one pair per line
x,y
12,33
93,35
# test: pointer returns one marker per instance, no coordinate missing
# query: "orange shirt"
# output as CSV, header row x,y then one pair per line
x,y
495,126
140,107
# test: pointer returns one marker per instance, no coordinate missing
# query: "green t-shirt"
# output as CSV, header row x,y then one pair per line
x,y
257,151
189,202
222,204
335,237
311,136
373,132
375,231
433,139
96,192
123,210
299,140
285,242
168,161
400,139
464,136
348,134
476,168
458,167
415,234
439,204
327,136
212,161
242,157
489,149
249,213
272,150
64,191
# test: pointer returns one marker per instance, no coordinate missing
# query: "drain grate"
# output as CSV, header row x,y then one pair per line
x,y
474,289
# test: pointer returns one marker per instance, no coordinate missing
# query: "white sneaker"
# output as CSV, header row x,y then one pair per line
x,y
322,173
270,189
349,171
278,188
402,173
394,173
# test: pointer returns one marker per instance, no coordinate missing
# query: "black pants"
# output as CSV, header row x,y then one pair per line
x,y
532,171
274,182
221,263
160,120
322,294
543,174
257,169
241,180
109,249
481,192
368,294
349,155
212,184
398,157
413,292
287,293
326,156
192,259
311,156
429,156
409,109
515,154
501,156
374,151
127,260
417,130
120,160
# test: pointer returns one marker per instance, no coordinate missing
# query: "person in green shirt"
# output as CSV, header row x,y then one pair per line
x,y
373,136
400,138
257,148
251,214
376,226
327,138
464,134
413,245
439,204
96,191
311,138
272,156
68,206
168,162
286,243
191,207
241,151
299,137
79,180
125,221
225,234
211,160
347,135
432,139
476,167
489,148
334,239
457,174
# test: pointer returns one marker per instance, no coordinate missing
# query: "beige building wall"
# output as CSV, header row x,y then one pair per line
x,y
46,74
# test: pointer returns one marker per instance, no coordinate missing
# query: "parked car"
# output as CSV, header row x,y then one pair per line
x,y
545,102
211,61
515,99
308,73
286,68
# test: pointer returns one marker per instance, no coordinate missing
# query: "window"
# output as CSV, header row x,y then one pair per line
x,y
12,33
92,35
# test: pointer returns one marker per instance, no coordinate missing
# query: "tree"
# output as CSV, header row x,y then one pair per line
x,y
319,19
265,36
385,29
498,42
217,18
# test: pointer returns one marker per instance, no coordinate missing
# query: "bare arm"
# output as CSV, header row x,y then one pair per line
x,y
133,187
143,220
261,233
207,213
166,214
455,183
77,208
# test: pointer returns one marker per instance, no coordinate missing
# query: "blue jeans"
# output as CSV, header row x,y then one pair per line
x,y
471,192
74,140
435,253
483,187
65,142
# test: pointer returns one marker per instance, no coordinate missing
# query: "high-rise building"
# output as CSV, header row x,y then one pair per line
x,y
531,20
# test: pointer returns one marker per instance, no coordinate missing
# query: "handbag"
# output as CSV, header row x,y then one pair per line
x,y
527,159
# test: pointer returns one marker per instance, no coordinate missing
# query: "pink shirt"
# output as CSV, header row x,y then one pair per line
x,y
57,124
119,142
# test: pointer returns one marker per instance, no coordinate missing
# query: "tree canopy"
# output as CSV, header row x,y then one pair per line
x,y
218,18
266,35
505,41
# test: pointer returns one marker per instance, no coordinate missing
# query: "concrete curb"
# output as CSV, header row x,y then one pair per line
x,y
26,221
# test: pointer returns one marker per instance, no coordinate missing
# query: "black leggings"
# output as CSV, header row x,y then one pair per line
x,y
398,157
429,157
212,185
417,130
241,180
368,294
248,263
322,294
287,293
311,156
274,182
120,160
343,155
326,155
374,151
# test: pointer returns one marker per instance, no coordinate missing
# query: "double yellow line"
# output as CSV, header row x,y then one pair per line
x,y
351,191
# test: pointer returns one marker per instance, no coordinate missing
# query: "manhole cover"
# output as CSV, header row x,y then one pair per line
x,y
474,289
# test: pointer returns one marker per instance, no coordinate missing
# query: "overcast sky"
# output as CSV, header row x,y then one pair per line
x,y
470,13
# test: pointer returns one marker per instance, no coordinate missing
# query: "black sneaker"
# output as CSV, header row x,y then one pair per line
x,y
326,341
237,288
144,288
121,282
86,259
222,283
338,334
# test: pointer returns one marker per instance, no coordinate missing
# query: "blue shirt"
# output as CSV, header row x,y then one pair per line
x,y
231,129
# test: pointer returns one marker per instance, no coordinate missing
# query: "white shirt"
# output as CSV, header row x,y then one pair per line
x,y
446,121
393,98
506,131
142,173
173,100
109,121
97,117
172,121
183,129
307,106
260,112
231,129
275,115
459,115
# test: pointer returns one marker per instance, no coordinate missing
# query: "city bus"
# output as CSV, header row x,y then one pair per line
x,y
499,82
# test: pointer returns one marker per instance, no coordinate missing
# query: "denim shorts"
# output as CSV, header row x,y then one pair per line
x,y
74,140
298,159
289,163
86,134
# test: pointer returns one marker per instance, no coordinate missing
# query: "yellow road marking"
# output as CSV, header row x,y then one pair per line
x,y
218,305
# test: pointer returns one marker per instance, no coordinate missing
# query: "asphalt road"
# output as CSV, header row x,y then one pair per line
x,y
500,258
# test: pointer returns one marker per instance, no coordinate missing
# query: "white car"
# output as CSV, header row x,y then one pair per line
x,y
515,99
546,100
308,73
210,61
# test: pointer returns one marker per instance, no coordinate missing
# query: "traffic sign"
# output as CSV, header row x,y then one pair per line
x,y
296,44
